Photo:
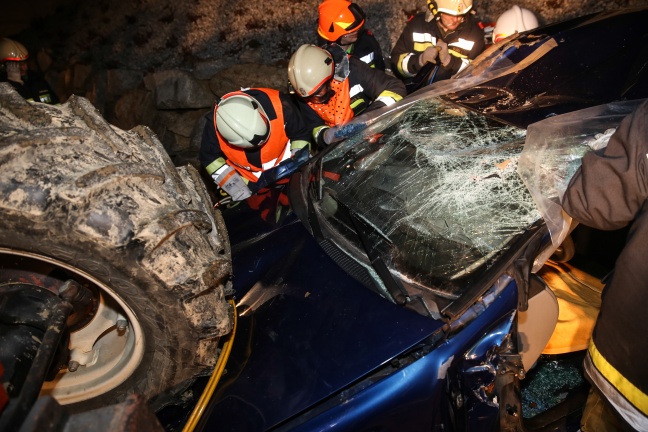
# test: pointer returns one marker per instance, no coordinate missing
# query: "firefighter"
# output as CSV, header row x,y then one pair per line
x,y
610,191
28,83
342,22
247,133
437,43
335,87
514,20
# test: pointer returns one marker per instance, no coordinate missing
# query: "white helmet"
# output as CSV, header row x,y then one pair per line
x,y
309,68
11,50
450,7
516,19
241,120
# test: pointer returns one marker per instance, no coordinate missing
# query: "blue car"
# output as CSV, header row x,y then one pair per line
x,y
406,286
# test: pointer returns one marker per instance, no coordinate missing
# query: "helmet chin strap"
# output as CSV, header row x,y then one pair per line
x,y
433,8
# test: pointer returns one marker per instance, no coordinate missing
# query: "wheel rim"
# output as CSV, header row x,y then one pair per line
x,y
105,350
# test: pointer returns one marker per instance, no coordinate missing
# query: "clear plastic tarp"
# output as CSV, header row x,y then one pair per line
x,y
442,188
552,155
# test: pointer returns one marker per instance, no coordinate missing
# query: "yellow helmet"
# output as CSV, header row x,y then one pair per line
x,y
11,50
450,7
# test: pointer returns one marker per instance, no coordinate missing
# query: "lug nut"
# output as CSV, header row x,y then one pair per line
x,y
121,325
73,365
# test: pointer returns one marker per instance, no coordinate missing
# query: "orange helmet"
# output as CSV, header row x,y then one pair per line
x,y
338,18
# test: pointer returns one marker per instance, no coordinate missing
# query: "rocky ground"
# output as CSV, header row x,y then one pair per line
x,y
162,62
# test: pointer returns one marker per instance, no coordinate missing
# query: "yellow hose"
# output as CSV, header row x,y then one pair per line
x,y
213,380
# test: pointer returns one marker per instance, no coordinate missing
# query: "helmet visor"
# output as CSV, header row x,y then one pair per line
x,y
322,95
359,17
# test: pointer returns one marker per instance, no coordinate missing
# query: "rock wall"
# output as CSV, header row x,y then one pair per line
x,y
163,63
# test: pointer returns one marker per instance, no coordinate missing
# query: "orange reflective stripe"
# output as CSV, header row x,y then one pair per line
x,y
338,109
227,177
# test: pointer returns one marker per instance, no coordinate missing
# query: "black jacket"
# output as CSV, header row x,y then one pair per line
x,y
35,88
464,44
366,48
610,191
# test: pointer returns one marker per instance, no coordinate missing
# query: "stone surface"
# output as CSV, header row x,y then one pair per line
x,y
177,89
135,58
249,75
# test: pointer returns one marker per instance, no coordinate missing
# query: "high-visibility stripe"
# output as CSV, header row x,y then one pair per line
x,y
215,166
463,44
367,58
389,98
635,396
299,144
355,90
457,54
318,130
227,177
423,37
403,64
357,103
422,46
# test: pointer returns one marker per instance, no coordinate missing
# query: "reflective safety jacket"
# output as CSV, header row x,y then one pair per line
x,y
423,31
610,191
287,132
364,89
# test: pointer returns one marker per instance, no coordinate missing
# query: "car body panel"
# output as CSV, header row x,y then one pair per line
x,y
301,339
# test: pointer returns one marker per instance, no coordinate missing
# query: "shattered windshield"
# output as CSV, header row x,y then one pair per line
x,y
437,187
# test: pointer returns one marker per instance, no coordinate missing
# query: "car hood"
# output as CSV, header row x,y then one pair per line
x,y
306,329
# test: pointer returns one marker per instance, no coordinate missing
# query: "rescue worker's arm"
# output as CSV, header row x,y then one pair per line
x,y
611,186
461,52
300,136
381,88
212,158
314,123
404,57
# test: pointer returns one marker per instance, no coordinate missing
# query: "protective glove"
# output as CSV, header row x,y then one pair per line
x,y
444,55
429,55
233,183
338,133
331,135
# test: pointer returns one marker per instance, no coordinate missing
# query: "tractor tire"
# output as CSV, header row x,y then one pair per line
x,y
81,199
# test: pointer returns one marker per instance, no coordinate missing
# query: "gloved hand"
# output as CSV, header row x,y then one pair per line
x,y
444,55
429,55
232,182
331,135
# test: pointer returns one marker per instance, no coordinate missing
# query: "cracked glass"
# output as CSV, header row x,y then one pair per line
x,y
436,188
